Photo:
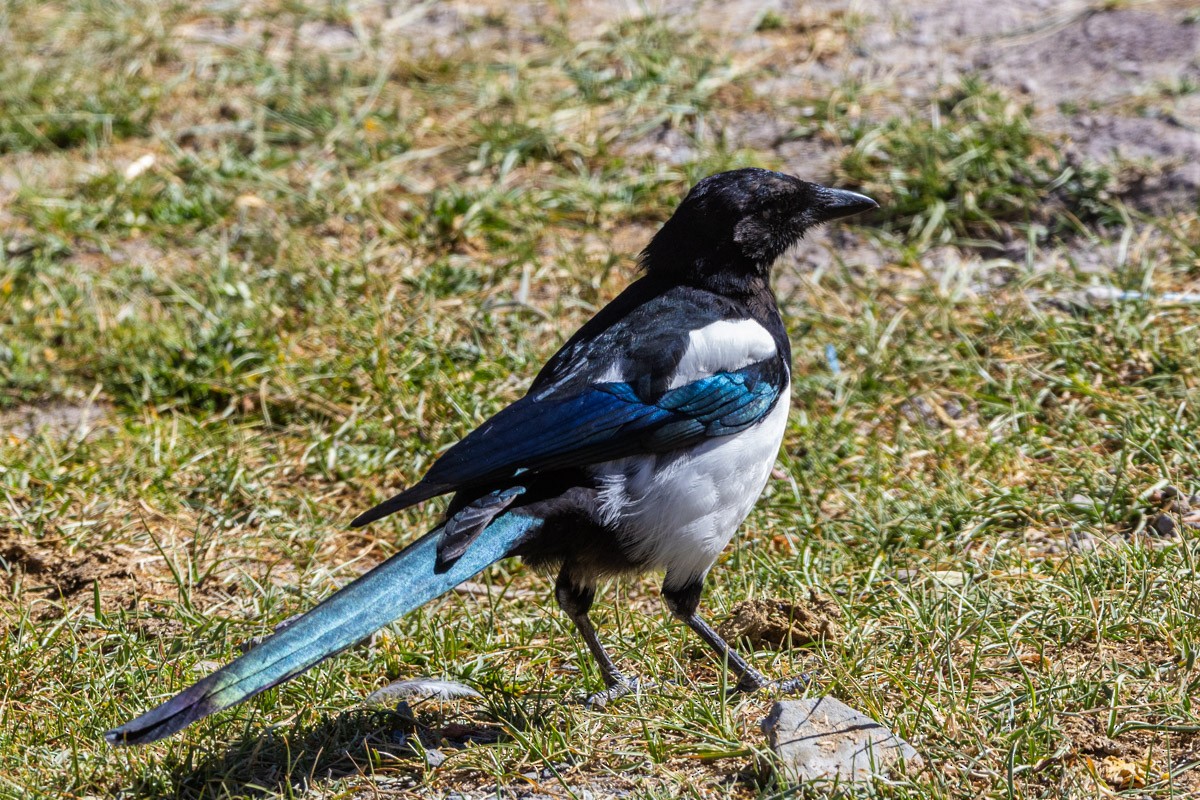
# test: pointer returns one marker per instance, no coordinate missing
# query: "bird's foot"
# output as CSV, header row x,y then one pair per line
x,y
618,689
756,682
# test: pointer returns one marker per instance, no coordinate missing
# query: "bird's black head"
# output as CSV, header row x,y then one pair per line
x,y
740,222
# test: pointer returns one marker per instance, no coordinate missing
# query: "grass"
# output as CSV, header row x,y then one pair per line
x,y
289,274
976,163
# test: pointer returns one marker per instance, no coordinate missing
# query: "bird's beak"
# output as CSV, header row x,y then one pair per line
x,y
837,203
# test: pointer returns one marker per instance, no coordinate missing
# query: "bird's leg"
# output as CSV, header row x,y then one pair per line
x,y
576,600
683,603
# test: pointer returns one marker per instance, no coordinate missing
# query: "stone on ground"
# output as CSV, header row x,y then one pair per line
x,y
821,739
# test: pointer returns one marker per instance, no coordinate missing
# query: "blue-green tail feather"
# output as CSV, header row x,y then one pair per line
x,y
404,582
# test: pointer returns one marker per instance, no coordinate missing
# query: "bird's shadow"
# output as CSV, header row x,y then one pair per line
x,y
294,758
284,760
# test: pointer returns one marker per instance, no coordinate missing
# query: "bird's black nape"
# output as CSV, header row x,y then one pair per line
x,y
741,221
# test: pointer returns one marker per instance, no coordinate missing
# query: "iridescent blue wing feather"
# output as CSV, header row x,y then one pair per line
x,y
603,422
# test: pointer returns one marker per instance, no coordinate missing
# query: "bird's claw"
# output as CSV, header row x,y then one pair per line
x,y
598,701
757,683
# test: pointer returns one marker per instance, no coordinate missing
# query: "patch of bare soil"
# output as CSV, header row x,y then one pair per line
x,y
1166,150
47,572
776,624
1129,757
55,420
1109,82
1112,83
1096,56
49,578
1132,759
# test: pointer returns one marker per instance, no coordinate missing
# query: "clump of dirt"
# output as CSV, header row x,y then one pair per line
x,y
775,623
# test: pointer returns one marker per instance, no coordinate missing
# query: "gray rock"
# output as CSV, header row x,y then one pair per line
x,y
1082,541
56,421
1163,526
434,758
823,739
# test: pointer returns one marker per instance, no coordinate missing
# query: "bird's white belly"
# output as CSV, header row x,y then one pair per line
x,y
677,511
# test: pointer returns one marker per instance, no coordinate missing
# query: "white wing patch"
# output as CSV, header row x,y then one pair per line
x,y
722,346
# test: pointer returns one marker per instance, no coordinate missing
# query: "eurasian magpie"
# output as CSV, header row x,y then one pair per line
x,y
640,446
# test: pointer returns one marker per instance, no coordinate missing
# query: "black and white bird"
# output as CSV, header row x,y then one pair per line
x,y
641,446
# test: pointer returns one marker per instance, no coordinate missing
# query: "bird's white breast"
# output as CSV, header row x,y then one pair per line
x,y
677,511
